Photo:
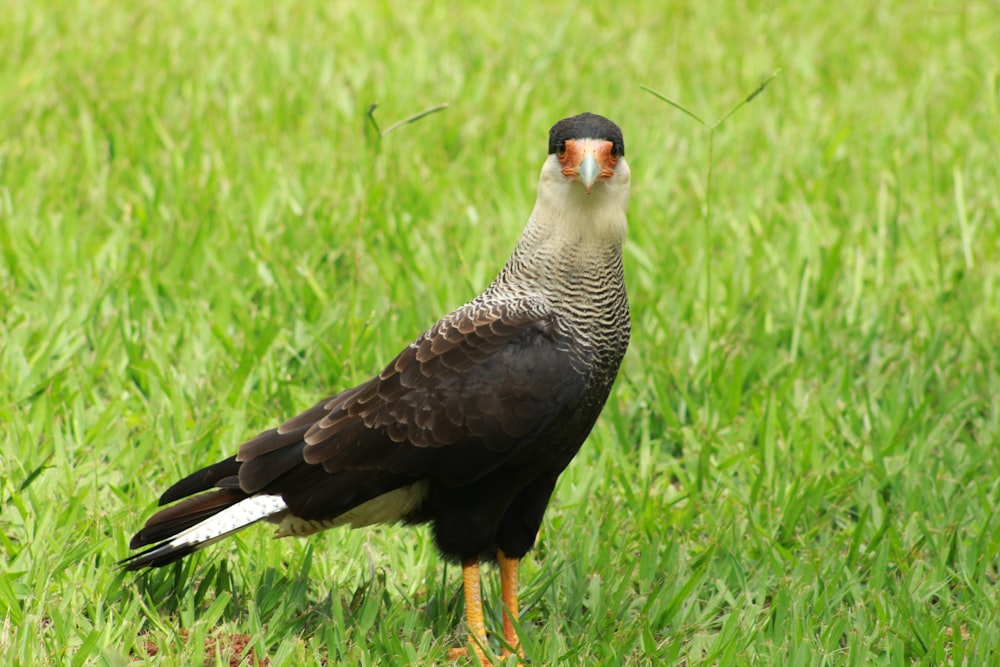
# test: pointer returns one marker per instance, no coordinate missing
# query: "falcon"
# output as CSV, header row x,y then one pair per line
x,y
470,426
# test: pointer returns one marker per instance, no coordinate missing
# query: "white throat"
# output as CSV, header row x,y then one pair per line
x,y
568,220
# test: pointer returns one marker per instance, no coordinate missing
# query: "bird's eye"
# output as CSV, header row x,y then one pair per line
x,y
616,150
561,148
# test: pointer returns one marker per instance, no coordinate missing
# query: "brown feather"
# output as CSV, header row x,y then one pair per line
x,y
201,480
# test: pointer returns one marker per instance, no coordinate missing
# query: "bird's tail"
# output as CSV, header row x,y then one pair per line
x,y
218,510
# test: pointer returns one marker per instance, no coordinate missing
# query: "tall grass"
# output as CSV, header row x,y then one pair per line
x,y
201,233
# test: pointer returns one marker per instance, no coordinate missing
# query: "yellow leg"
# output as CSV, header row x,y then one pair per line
x,y
473,614
508,591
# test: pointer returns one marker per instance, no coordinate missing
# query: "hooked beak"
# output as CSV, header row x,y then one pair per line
x,y
589,171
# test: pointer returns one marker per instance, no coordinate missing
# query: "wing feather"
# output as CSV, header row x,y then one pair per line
x,y
468,396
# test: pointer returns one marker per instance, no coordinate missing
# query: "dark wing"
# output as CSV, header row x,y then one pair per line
x,y
464,399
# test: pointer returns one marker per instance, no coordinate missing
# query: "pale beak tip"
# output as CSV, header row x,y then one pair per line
x,y
589,171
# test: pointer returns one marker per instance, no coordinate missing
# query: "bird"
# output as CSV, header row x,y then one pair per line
x,y
469,427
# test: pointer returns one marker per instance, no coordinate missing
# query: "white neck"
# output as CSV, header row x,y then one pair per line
x,y
572,229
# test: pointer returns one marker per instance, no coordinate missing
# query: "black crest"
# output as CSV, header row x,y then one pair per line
x,y
585,126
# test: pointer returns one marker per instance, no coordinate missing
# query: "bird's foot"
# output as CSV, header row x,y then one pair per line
x,y
464,652
484,658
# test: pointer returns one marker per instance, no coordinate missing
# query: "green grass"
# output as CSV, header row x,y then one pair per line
x,y
200,235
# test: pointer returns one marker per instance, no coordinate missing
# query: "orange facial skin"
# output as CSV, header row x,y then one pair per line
x,y
576,150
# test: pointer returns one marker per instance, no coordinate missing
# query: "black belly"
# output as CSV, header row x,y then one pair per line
x,y
502,509
498,512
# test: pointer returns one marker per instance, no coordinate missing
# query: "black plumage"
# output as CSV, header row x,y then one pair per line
x,y
471,424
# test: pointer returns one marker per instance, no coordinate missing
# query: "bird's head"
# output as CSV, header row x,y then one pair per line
x,y
587,150
579,223
584,187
